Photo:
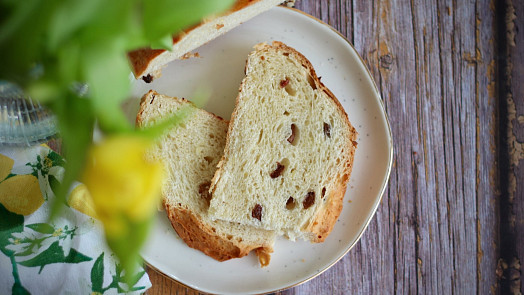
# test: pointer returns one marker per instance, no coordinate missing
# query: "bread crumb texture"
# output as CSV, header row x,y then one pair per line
x,y
289,150
191,152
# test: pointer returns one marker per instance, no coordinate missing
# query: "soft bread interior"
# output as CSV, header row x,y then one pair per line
x,y
289,151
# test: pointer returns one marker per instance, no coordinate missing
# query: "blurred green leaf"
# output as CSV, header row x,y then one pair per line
x,y
127,246
107,74
160,128
163,43
71,17
22,37
43,90
76,122
163,17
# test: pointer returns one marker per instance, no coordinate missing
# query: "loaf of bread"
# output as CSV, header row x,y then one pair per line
x,y
289,150
147,63
191,152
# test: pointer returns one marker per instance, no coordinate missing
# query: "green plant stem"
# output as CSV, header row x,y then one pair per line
x,y
15,269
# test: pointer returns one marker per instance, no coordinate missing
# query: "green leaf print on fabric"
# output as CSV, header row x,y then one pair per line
x,y
48,168
97,278
119,277
55,254
9,223
42,228
97,274
37,166
18,289
56,159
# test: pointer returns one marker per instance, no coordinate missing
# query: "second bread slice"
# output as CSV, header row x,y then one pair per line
x,y
191,152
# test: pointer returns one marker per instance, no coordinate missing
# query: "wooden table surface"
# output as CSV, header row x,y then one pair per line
x,y
451,74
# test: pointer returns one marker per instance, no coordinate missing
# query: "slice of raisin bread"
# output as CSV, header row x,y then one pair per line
x,y
191,152
289,150
147,63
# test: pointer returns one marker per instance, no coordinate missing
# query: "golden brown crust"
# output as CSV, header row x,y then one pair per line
x,y
140,59
201,236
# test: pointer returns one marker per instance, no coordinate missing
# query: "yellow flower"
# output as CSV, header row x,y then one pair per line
x,y
124,185
81,200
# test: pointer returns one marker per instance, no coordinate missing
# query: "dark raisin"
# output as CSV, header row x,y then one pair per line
x,y
323,192
291,138
284,83
203,190
290,204
257,212
148,78
355,143
327,129
278,171
309,200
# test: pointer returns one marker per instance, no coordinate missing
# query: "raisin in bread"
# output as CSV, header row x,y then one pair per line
x,y
191,152
289,150
147,63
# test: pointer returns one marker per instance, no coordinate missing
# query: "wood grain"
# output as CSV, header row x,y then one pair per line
x,y
512,149
451,75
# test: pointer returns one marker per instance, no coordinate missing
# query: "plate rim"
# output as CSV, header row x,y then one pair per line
x,y
383,187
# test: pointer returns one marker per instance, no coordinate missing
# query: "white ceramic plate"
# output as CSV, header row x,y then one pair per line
x,y
220,70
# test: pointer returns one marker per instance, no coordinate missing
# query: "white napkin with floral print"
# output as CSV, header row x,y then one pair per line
x,y
66,255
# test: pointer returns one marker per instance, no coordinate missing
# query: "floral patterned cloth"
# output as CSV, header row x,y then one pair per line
x,y
66,255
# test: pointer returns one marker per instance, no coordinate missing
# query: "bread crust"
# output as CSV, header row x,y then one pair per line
x,y
200,236
322,224
142,59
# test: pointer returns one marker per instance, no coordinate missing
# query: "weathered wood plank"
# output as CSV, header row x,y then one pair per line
x,y
512,123
162,285
462,203
448,173
434,260
516,48
487,179
393,63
